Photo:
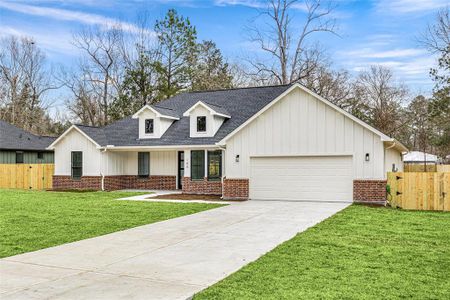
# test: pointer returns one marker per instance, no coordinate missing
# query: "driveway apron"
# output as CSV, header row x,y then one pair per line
x,y
172,259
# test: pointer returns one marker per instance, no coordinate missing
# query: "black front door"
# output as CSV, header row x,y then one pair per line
x,y
180,169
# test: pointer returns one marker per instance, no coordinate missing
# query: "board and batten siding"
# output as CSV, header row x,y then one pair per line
x,y
300,124
392,156
29,157
126,163
75,141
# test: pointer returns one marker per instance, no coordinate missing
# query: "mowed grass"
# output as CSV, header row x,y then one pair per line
x,y
360,253
32,220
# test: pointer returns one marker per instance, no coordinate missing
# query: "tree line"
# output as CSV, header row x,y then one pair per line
x,y
119,71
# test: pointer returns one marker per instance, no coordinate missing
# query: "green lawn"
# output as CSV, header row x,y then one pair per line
x,y
360,253
32,220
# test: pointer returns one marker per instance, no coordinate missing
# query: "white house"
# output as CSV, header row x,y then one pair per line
x,y
277,142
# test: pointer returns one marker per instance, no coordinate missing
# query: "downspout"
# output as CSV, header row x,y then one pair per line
x,y
384,164
221,179
101,173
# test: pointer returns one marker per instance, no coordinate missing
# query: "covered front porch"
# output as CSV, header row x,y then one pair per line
x,y
193,170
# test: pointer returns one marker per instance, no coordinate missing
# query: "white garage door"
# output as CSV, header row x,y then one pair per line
x,y
317,178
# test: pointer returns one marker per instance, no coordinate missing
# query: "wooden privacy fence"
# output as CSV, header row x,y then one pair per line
x,y
430,168
26,176
419,190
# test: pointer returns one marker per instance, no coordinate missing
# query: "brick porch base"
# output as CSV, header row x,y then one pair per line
x,y
154,182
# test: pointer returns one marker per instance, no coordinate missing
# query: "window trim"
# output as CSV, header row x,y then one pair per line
x,y
198,120
153,126
22,155
202,165
218,178
148,166
77,167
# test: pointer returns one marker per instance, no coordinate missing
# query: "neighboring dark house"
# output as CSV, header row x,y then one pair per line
x,y
19,146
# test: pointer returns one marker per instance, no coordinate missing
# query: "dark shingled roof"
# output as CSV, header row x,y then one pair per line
x,y
14,138
240,104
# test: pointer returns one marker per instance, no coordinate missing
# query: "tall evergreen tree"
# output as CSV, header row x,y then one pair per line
x,y
177,41
138,88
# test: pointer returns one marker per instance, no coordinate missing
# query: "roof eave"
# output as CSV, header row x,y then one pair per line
x,y
157,113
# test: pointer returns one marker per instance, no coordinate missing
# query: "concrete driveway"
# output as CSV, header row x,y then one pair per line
x,y
172,259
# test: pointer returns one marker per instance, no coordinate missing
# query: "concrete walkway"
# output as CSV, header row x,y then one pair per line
x,y
172,259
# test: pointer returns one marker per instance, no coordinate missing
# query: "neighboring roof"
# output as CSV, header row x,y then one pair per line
x,y
418,156
14,138
242,105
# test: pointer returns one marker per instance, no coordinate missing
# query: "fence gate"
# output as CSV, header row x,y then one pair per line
x,y
419,190
26,176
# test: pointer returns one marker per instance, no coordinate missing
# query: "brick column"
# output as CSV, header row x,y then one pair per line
x,y
201,187
236,188
369,191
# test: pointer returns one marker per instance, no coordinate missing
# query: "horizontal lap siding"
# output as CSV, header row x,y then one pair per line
x,y
300,124
29,157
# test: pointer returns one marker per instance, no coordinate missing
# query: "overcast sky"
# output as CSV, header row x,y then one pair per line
x,y
371,32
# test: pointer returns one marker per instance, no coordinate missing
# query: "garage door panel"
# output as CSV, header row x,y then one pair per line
x,y
319,178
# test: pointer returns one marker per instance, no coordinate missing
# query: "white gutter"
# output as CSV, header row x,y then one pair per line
x,y
168,147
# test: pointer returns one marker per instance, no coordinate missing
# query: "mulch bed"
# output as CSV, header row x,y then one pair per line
x,y
188,197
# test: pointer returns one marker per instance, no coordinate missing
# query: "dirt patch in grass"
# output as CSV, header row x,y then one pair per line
x,y
188,197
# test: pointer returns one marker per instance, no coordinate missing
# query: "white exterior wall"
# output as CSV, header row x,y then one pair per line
x,y
392,156
75,141
300,124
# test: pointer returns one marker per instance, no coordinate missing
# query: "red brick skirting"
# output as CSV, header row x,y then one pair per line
x,y
369,191
202,187
85,183
119,182
153,182
234,188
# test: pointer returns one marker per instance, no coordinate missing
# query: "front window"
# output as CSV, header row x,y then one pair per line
x,y
77,164
40,155
143,164
149,126
214,165
197,164
201,124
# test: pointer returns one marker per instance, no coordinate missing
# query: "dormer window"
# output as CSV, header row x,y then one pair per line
x,y
201,124
149,126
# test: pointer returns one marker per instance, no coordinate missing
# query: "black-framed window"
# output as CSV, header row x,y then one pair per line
x,y
19,157
143,164
40,155
197,164
77,164
149,125
214,165
201,124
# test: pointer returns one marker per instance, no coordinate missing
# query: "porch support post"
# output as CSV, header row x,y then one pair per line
x,y
206,163
187,163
